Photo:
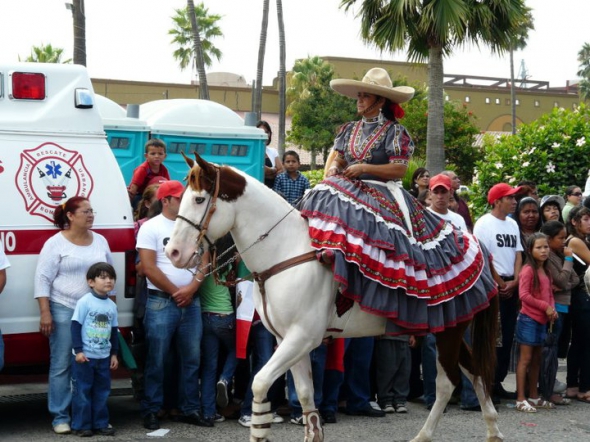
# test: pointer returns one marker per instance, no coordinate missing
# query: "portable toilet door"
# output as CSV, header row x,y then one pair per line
x,y
126,136
212,130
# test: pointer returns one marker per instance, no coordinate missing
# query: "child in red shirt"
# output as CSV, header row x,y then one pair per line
x,y
155,154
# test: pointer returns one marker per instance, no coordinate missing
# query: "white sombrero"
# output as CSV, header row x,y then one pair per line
x,y
376,81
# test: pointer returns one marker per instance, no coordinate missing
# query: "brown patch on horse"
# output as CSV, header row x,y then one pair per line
x,y
448,344
231,183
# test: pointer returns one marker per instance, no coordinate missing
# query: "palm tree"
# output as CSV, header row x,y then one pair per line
x,y
584,72
189,24
46,54
257,101
282,79
79,17
306,74
430,31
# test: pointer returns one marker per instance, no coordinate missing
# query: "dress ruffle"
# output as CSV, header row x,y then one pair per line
x,y
423,275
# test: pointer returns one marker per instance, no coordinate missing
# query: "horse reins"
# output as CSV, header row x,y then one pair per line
x,y
259,277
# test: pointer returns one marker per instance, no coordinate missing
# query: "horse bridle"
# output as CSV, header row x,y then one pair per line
x,y
203,226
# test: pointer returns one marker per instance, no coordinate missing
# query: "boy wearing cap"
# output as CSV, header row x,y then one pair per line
x,y
500,234
171,310
440,194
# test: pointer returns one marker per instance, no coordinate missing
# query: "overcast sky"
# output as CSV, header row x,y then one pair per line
x,y
128,39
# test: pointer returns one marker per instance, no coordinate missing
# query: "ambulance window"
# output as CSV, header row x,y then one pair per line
x,y
119,143
198,147
176,147
219,149
239,150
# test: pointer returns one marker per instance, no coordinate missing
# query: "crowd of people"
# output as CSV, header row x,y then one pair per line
x,y
192,372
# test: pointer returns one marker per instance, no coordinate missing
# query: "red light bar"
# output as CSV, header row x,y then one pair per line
x,y
28,86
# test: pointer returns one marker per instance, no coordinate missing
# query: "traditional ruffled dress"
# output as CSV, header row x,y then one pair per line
x,y
395,258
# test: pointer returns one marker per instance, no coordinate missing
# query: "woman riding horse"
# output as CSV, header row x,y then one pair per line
x,y
388,253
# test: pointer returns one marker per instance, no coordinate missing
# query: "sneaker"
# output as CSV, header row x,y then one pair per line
x,y
108,431
401,408
276,419
218,418
62,429
222,398
297,420
84,433
245,421
559,387
388,408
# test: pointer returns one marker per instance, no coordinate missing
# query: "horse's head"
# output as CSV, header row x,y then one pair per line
x,y
205,212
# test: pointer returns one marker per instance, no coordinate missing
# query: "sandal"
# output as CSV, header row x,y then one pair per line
x,y
542,403
583,397
525,407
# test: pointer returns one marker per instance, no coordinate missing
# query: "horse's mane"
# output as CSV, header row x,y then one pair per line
x,y
231,183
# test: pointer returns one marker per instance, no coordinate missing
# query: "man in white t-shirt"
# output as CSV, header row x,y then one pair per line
x,y
171,311
500,234
440,194
4,264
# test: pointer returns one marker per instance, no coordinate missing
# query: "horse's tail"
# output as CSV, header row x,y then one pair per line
x,y
484,330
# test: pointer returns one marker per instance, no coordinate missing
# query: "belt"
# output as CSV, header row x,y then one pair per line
x,y
221,315
159,293
507,278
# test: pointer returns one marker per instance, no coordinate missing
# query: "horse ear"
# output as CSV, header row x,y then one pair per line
x,y
207,167
188,160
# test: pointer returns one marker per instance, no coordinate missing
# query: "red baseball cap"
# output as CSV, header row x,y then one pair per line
x,y
170,188
500,191
156,180
440,180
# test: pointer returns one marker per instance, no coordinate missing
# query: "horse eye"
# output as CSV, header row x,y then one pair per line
x,y
199,200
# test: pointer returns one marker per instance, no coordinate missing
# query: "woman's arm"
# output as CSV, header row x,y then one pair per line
x,y
389,171
580,249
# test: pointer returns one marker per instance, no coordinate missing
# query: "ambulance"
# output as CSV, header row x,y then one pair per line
x,y
53,147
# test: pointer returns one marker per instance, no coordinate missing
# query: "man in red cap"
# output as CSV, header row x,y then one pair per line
x,y
172,310
500,234
462,208
441,188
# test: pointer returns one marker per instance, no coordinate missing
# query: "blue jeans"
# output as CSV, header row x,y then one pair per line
x,y
59,395
318,364
262,344
163,320
217,330
91,388
1,351
429,368
357,379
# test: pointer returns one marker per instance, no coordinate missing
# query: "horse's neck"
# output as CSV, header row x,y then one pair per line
x,y
260,213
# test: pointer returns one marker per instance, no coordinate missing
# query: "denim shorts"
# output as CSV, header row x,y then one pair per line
x,y
529,331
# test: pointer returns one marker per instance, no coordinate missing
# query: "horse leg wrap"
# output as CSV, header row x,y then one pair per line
x,y
313,426
261,420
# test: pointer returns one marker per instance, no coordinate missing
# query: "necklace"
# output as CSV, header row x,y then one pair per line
x,y
374,119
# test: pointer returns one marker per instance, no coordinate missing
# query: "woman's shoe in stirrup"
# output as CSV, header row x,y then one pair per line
x,y
325,256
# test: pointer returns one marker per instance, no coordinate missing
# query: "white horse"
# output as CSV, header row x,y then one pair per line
x,y
296,300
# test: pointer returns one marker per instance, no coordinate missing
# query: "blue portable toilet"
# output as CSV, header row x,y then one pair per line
x,y
126,136
212,130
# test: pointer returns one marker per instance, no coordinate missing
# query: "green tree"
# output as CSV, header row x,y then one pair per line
x,y
430,30
193,35
46,54
584,72
308,73
552,151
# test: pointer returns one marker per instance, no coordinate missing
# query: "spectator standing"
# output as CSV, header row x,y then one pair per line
x,y
272,162
462,208
538,308
551,207
172,309
563,278
578,358
393,363
291,184
501,236
60,281
95,344
420,180
155,154
573,196
4,264
527,217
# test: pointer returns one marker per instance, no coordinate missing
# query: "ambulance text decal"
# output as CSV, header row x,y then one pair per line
x,y
49,175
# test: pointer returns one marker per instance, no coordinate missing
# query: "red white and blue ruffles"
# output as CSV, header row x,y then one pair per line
x,y
396,259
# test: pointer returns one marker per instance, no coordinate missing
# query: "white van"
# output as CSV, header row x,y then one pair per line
x,y
53,147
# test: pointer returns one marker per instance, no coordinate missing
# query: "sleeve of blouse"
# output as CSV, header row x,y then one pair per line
x,y
560,273
342,138
525,290
399,145
47,268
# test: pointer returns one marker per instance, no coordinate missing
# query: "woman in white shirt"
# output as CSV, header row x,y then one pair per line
x,y
60,280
